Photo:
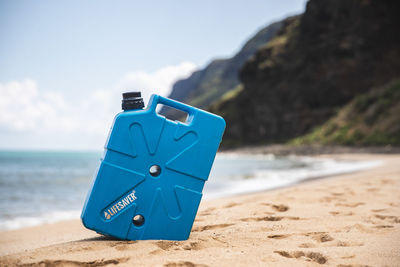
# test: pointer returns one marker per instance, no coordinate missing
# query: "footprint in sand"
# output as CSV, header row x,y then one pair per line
x,y
269,218
280,208
321,238
166,245
348,257
350,205
388,218
337,194
278,236
184,264
210,227
307,245
383,226
192,246
97,263
123,245
361,228
187,245
339,213
348,244
277,207
372,189
232,204
378,210
265,218
335,244
387,181
206,212
314,256
330,199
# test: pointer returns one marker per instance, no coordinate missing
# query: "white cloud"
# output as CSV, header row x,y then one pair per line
x,y
158,82
23,107
27,110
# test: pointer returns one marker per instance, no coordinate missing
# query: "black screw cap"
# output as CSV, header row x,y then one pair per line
x,y
132,100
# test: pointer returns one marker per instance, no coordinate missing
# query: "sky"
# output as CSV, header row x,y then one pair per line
x,y
64,64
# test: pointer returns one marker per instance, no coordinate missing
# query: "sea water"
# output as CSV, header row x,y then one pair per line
x,y
39,187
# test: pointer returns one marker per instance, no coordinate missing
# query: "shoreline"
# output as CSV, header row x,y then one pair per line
x,y
311,150
343,219
260,180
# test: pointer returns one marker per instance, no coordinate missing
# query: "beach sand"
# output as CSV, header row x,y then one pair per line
x,y
346,220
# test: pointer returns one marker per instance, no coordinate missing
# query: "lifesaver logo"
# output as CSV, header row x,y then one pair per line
x,y
118,206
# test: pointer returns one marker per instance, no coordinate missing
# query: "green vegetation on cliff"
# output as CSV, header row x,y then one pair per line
x,y
372,118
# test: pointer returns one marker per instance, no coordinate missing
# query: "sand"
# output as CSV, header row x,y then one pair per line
x,y
347,220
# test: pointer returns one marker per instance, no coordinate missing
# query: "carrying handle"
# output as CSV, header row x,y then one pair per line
x,y
156,99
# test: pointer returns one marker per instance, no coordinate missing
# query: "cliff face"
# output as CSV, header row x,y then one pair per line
x,y
205,86
316,64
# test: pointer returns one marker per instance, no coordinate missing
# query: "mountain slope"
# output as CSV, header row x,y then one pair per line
x,y
316,64
203,87
372,118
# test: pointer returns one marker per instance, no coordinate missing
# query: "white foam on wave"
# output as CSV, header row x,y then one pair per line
x,y
262,180
28,221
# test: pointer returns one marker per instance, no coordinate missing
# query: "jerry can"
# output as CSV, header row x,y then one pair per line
x,y
150,180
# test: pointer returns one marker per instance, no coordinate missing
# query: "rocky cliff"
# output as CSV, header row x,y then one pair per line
x,y
316,64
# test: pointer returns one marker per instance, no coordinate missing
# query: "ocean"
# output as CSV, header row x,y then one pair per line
x,y
39,187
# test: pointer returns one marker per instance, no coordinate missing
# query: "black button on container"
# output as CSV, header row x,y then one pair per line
x,y
138,220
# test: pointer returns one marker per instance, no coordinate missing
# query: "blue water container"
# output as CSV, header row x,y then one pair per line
x,y
149,183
